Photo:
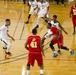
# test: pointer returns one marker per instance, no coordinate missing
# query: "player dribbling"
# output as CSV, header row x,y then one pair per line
x,y
53,31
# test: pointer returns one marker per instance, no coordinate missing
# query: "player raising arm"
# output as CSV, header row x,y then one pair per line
x,y
34,46
57,24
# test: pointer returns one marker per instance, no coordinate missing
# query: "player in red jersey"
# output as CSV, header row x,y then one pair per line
x,y
34,46
73,13
57,39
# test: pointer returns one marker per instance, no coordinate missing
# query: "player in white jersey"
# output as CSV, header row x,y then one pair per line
x,y
33,9
56,24
43,7
3,36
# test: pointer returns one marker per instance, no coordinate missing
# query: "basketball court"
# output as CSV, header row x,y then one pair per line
x,y
64,64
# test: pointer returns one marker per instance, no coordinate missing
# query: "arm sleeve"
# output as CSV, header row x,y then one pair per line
x,y
48,34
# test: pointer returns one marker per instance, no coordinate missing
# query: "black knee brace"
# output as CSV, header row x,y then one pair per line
x,y
51,45
63,47
29,15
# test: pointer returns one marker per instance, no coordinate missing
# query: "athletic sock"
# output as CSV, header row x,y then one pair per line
x,y
41,72
27,72
70,50
54,51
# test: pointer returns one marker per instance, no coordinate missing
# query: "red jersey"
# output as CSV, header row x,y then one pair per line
x,y
33,43
73,9
59,40
54,31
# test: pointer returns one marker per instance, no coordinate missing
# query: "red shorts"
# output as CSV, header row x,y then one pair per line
x,y
59,41
32,56
74,21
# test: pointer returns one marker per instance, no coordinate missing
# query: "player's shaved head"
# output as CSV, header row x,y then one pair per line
x,y
7,20
34,31
55,16
49,25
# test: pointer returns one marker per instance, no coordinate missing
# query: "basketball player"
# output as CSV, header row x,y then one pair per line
x,y
56,24
43,8
34,46
3,36
73,14
57,38
33,9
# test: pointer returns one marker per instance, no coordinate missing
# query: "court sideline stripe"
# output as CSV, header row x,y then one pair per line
x,y
13,60
20,55
16,25
14,57
22,31
66,60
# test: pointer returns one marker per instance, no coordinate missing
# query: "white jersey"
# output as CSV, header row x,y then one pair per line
x,y
56,24
43,6
3,31
33,4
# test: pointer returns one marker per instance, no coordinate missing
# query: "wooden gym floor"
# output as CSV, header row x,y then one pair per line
x,y
64,64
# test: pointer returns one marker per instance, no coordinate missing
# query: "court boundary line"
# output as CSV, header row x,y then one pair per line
x,y
45,70
21,54
16,25
14,57
13,60
62,59
22,31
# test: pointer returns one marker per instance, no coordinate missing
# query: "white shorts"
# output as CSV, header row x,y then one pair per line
x,y
41,14
4,41
32,11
